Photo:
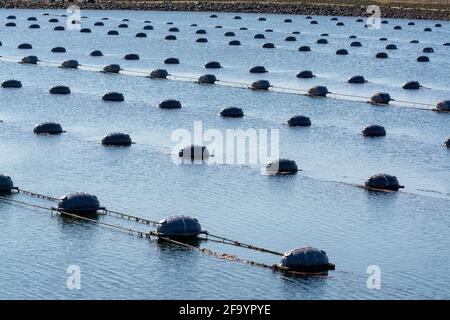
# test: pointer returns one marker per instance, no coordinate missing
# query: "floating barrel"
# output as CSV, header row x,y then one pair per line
x,y
213,65
357,79
131,56
34,26
179,227
170,37
391,47
234,43
299,121
12,84
290,38
171,61
282,166
141,35
96,53
232,112
268,45
428,50
411,85
304,49
117,139
447,143
342,52
322,41
59,28
207,79
170,104
113,33
318,91
70,64
355,44
374,130
381,55
305,74
112,68
113,96
85,30
200,31
159,74
24,46
261,85
194,152
58,50
29,60
201,40
258,69
229,34
6,184
382,181
306,260
51,128
423,59
148,27
443,106
79,203
381,98
59,90
259,36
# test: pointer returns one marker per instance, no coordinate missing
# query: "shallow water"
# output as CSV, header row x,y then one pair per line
x,y
405,233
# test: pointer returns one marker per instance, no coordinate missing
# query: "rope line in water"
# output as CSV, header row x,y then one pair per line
x,y
234,84
148,235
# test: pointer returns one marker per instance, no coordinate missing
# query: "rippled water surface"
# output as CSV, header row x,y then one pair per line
x,y
404,233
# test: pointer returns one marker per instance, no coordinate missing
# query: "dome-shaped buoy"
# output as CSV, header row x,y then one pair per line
x,y
447,143
213,65
179,227
112,68
70,64
357,79
113,96
258,69
6,184
34,26
122,25
290,38
229,34
443,106
234,43
305,74
31,19
261,85
25,46
171,61
85,30
423,59
141,35
288,20
59,90
117,139
79,203
268,45
262,19
170,104
232,112
314,22
194,25
322,41
194,152
427,30
411,23
59,28
282,166
380,98
397,28
243,28
159,74
148,27
306,260
259,36
355,44
29,60
201,40
213,16
10,24
58,50
341,52
374,130
438,25
414,41
96,53
12,84
299,121
382,181
131,56
352,37
383,39
447,44
53,20
340,24
200,31
99,24
237,17
51,128
113,33
304,49
359,20
428,50
11,17
411,85
174,29
207,79
170,37
318,91
381,55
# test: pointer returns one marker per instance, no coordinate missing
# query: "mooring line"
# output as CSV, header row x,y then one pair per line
x,y
148,235
235,84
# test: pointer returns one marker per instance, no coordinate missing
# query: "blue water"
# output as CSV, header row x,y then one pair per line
x,y
404,233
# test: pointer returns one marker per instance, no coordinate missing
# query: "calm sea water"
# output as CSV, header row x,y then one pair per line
x,y
405,233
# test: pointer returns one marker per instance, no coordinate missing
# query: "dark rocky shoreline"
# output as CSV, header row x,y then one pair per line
x,y
405,12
